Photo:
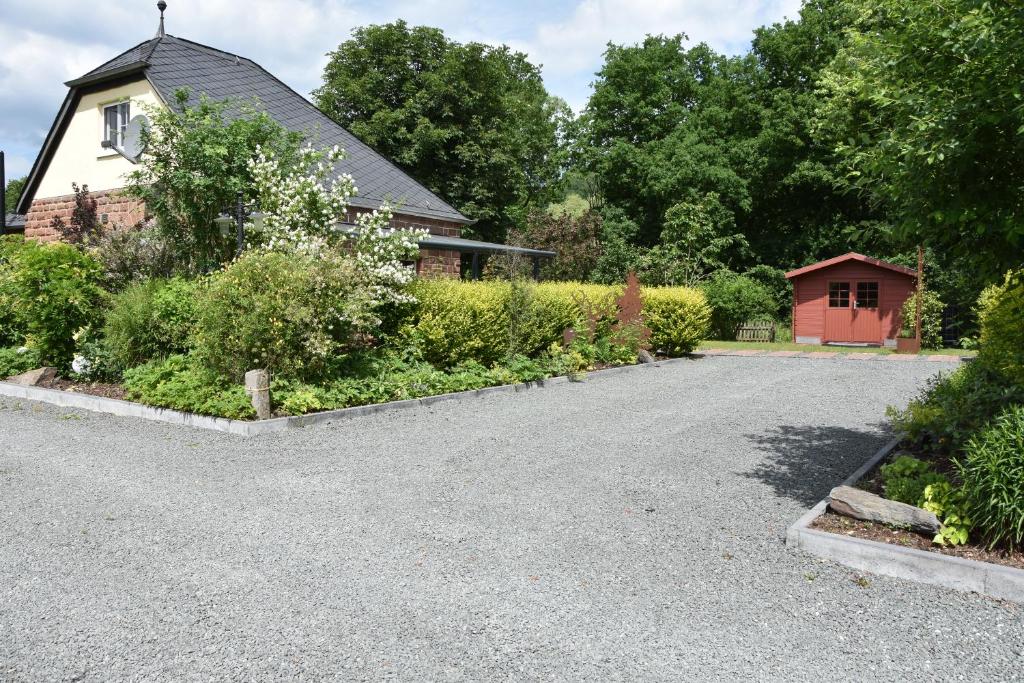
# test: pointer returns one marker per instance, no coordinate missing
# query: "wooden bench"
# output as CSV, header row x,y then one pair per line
x,y
757,331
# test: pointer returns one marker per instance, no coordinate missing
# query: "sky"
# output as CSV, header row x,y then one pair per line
x,y
46,42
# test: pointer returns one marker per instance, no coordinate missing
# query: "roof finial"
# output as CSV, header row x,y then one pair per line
x,y
161,6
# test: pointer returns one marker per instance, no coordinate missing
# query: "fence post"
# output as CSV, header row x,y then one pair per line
x,y
257,385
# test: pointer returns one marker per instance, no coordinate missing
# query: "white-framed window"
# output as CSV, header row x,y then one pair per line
x,y
115,122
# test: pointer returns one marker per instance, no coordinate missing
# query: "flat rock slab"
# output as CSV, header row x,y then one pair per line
x,y
34,377
853,502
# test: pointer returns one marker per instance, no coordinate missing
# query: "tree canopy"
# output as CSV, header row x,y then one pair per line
x,y
14,188
472,122
926,106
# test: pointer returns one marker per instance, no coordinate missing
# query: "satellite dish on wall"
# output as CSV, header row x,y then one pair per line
x,y
133,145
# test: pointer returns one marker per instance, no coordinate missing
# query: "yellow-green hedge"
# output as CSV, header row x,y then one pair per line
x,y
1001,314
456,321
679,318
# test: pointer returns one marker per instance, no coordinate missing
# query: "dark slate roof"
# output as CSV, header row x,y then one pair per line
x,y
171,63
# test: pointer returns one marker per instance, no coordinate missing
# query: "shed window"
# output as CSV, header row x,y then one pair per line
x,y
867,295
115,122
839,295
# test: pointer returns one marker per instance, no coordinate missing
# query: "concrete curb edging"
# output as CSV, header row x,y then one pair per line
x,y
113,406
972,576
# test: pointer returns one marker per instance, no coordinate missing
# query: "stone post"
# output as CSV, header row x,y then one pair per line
x,y
257,385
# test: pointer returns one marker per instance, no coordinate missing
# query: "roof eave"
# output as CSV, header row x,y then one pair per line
x,y
852,256
110,75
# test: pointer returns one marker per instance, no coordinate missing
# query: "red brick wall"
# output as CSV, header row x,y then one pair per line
x,y
433,262
120,210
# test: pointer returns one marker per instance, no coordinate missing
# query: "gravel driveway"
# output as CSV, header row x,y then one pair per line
x,y
626,528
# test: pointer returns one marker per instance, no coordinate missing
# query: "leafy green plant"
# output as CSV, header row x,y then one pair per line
x,y
1001,313
931,319
180,383
12,329
947,503
16,360
992,472
151,319
53,291
905,479
953,406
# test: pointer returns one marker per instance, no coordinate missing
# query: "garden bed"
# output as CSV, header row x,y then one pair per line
x,y
872,481
869,531
243,427
102,389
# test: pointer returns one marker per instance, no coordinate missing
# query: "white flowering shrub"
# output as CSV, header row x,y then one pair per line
x,y
301,207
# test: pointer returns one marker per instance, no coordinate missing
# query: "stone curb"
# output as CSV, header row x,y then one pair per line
x,y
993,580
113,406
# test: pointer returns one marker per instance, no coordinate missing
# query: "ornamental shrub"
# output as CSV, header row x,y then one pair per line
x,y
291,314
905,479
151,319
1001,314
53,291
953,406
992,472
931,319
679,318
734,300
16,360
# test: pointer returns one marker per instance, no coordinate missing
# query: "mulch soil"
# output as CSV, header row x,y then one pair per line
x,y
92,388
846,526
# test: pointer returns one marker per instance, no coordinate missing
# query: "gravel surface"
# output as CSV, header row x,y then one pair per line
x,y
625,528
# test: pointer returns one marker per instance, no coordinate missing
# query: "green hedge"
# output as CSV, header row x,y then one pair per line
x,y
458,321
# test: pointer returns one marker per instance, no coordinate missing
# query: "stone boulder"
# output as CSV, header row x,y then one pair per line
x,y
853,502
34,377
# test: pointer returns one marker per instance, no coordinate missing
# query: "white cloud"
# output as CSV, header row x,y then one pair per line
x,y
47,42
572,49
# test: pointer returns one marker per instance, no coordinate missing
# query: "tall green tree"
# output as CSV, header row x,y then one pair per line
x,y
802,209
471,122
667,124
925,103
14,188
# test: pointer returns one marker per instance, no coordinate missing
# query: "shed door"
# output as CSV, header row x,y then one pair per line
x,y
867,317
852,313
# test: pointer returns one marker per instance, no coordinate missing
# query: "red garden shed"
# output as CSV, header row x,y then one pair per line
x,y
849,299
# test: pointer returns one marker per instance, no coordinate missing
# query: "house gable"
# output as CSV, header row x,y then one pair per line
x,y
77,155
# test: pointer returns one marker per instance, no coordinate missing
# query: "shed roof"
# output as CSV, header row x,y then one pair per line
x,y
852,256
170,63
